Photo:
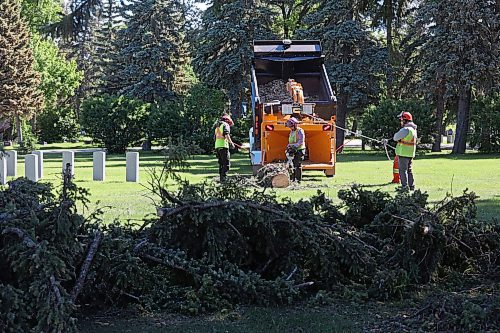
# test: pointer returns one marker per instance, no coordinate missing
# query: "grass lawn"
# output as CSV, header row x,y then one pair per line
x,y
436,173
245,320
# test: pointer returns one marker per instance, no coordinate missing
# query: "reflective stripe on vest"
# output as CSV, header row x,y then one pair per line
x,y
220,139
292,139
408,145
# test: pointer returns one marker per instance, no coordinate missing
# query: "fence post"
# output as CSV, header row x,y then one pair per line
x,y
39,153
31,167
3,169
99,171
132,164
68,157
11,163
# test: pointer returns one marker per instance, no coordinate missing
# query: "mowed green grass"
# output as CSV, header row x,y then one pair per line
x,y
247,320
436,173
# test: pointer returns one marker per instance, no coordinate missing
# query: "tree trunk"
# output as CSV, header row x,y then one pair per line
x,y
463,117
147,144
389,19
19,130
33,123
286,31
342,100
354,127
440,107
235,99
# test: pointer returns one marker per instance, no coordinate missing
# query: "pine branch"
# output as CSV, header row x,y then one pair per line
x,y
86,266
31,244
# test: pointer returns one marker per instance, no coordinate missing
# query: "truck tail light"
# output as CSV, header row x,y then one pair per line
x,y
269,127
327,127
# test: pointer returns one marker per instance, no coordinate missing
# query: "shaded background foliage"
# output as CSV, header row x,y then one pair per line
x,y
156,50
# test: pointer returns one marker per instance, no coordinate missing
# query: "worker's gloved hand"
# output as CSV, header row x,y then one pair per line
x,y
232,145
384,141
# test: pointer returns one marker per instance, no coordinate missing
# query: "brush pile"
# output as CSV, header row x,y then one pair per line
x,y
219,245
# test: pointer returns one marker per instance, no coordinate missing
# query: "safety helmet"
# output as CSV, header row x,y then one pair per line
x,y
292,121
405,116
227,119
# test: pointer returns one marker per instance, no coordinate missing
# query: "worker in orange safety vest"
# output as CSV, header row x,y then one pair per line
x,y
406,147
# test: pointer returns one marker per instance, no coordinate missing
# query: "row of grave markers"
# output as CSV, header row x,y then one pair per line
x,y
33,165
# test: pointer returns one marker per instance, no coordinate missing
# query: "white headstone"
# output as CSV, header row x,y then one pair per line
x,y
31,167
68,157
39,153
3,169
132,166
11,163
99,158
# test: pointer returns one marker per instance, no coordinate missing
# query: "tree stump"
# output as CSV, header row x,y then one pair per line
x,y
274,175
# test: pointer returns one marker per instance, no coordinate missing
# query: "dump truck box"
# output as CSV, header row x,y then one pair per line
x,y
274,63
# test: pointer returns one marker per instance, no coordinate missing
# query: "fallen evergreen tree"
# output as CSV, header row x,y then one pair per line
x,y
216,246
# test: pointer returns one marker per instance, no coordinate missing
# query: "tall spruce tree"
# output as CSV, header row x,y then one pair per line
x,y
459,45
224,47
110,20
390,15
151,52
355,60
19,96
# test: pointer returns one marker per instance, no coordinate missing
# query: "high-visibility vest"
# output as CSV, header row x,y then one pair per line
x,y
220,140
407,146
292,139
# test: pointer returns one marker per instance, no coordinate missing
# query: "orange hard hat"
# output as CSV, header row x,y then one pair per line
x,y
405,116
227,119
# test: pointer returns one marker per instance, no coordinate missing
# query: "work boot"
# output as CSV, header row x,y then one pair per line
x,y
402,189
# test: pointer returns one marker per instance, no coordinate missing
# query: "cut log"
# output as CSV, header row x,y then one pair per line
x,y
274,175
281,180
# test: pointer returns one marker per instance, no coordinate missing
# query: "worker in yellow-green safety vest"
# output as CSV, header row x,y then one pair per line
x,y
406,138
222,143
296,148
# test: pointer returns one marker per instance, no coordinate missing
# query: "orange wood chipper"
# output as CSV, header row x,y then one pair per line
x,y
289,79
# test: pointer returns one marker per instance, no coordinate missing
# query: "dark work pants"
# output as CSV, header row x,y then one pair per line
x,y
297,165
224,161
406,172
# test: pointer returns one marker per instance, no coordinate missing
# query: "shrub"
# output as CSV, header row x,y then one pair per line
x,y
56,125
485,123
166,121
203,107
381,121
115,121
29,138
191,117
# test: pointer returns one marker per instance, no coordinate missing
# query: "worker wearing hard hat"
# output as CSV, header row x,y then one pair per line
x,y
406,138
222,143
296,147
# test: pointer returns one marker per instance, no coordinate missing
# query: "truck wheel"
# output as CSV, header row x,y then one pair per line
x,y
329,173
